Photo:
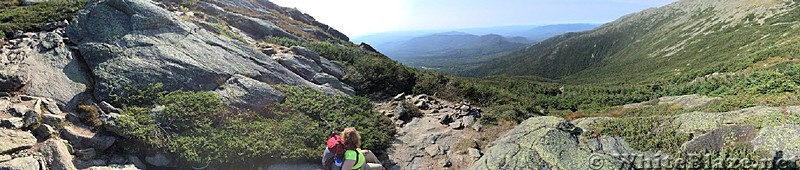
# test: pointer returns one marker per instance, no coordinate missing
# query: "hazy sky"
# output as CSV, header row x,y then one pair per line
x,y
359,17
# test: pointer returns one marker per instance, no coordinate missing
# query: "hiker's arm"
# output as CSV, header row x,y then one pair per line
x,y
348,164
326,155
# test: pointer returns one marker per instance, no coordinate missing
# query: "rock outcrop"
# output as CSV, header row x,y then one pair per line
x,y
259,19
539,143
133,43
21,163
45,66
15,140
56,154
779,139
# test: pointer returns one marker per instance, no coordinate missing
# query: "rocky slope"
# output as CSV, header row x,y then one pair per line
x,y
432,133
147,44
114,46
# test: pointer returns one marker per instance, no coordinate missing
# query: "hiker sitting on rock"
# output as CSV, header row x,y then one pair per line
x,y
345,151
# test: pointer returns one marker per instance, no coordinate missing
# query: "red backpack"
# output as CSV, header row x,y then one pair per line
x,y
336,148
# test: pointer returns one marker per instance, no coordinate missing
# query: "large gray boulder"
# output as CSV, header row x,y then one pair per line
x,y
132,43
715,140
15,140
45,66
56,155
21,163
84,138
244,92
540,143
779,138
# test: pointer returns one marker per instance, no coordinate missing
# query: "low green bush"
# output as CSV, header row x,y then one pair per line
x,y
654,133
197,128
371,74
33,17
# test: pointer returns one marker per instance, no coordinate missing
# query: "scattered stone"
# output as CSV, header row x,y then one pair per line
x,y
474,153
86,154
21,163
399,97
12,83
114,167
422,105
82,164
14,140
19,33
45,131
137,162
11,123
117,159
468,120
94,140
54,25
27,98
158,159
56,154
52,107
447,163
464,107
292,166
305,52
53,120
31,120
110,123
433,150
108,108
69,146
269,51
18,110
457,124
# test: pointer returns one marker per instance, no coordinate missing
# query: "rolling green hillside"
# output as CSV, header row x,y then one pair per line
x,y
674,43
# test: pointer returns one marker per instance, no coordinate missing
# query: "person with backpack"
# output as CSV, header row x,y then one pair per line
x,y
344,151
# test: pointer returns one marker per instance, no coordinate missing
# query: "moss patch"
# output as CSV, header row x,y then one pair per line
x,y
31,18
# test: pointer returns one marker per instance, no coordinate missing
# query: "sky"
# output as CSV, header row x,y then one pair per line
x,y
362,17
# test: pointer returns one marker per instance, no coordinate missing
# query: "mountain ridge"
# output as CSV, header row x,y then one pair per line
x,y
630,41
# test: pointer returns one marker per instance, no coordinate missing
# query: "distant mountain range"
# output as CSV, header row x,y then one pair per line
x,y
448,49
684,39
